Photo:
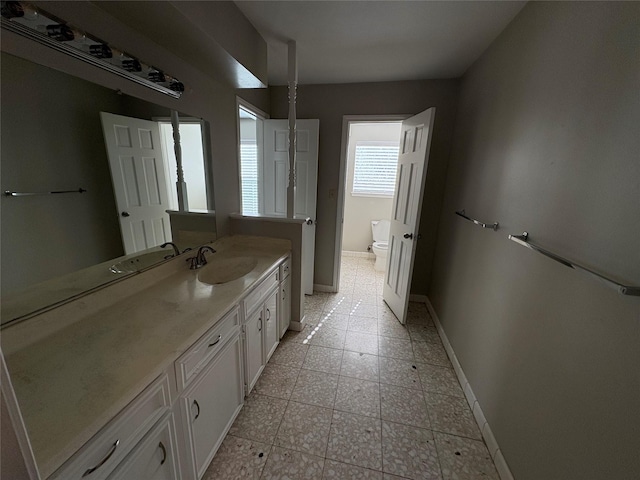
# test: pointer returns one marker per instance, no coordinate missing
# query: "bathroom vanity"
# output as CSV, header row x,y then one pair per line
x,y
143,379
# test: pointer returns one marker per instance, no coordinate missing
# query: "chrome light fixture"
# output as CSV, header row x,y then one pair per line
x,y
36,24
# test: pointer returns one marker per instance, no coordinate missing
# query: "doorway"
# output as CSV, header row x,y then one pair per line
x,y
368,178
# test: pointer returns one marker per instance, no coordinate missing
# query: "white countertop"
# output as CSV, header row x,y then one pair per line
x,y
74,368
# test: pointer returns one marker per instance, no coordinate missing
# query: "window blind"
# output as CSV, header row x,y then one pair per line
x,y
375,169
249,177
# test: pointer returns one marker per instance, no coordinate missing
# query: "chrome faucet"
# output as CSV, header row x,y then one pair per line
x,y
176,250
200,260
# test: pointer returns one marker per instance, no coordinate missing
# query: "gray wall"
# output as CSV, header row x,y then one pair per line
x,y
330,103
547,141
43,112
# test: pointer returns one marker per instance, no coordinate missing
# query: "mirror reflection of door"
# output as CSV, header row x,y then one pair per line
x,y
143,170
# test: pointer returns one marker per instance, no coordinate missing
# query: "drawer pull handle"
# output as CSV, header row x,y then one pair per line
x,y
268,314
104,460
260,327
164,453
216,342
195,402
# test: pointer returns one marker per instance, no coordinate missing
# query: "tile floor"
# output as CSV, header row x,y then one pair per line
x,y
356,395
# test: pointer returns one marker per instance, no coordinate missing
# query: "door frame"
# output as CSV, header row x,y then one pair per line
x,y
347,120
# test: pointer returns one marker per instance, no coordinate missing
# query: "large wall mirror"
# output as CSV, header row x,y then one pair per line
x,y
53,139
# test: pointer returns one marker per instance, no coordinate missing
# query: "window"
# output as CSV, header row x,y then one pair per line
x,y
375,169
249,176
250,132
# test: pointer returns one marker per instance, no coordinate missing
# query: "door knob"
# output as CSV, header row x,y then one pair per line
x,y
125,214
408,235
309,221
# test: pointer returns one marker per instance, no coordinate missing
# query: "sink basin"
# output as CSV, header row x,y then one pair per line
x,y
140,262
222,270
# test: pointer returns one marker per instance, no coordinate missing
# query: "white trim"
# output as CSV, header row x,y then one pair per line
x,y
346,120
487,433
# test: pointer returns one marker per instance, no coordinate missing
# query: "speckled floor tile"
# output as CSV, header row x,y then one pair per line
x,y
464,459
391,327
343,471
388,476
452,415
259,418
285,464
277,381
304,428
424,333
403,405
327,337
238,458
430,353
295,336
409,452
316,388
362,309
360,365
361,342
395,348
341,306
356,440
358,396
289,354
385,313
335,299
363,324
323,359
438,379
339,321
402,373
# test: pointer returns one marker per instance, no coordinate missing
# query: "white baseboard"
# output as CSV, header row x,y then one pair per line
x,y
487,434
348,253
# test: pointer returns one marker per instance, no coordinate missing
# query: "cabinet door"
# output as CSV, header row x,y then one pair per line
x,y
284,309
154,458
213,403
271,337
253,348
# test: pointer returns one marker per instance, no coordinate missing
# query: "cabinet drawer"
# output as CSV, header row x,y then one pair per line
x,y
154,458
198,356
285,269
108,447
257,296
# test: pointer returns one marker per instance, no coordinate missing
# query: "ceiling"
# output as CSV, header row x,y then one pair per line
x,y
377,41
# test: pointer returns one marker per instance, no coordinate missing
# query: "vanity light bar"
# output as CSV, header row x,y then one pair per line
x,y
48,30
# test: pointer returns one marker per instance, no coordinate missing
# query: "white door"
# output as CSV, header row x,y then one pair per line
x,y
139,181
407,204
275,179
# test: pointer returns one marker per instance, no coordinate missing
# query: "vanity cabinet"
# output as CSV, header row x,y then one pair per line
x,y
155,458
210,405
104,452
284,298
260,327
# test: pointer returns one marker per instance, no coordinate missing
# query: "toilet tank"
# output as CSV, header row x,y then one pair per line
x,y
380,230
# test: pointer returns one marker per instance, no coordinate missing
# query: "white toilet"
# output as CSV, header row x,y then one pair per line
x,y
380,231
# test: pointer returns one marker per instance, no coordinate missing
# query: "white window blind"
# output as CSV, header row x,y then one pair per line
x,y
249,176
375,169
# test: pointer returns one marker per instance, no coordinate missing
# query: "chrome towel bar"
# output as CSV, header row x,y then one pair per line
x,y
9,193
494,226
622,289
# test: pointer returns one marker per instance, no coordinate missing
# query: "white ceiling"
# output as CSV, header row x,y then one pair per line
x,y
371,41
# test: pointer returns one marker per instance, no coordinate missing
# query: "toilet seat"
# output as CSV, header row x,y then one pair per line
x,y
381,245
